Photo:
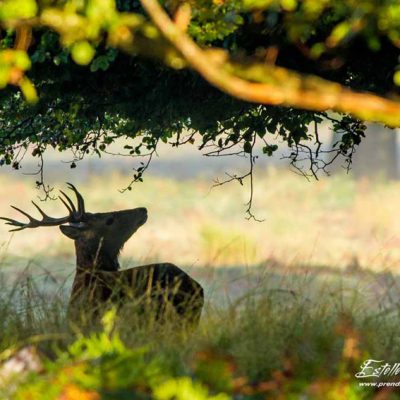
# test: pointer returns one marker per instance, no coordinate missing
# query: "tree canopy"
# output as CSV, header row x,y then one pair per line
x,y
221,74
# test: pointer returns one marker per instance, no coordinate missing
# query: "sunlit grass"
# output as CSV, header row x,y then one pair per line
x,y
334,222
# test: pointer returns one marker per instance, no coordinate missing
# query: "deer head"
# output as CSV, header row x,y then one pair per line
x,y
98,237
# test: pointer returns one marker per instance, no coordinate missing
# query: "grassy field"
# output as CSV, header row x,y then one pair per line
x,y
335,222
295,304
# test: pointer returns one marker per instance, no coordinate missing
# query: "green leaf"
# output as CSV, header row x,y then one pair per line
x,y
247,147
101,62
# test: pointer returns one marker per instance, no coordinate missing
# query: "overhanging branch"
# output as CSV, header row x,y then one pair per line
x,y
283,87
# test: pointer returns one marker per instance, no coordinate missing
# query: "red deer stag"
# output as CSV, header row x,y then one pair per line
x,y
99,238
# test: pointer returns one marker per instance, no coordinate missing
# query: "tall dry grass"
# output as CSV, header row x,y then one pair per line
x,y
286,335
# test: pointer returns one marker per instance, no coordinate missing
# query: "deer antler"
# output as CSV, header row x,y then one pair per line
x,y
74,215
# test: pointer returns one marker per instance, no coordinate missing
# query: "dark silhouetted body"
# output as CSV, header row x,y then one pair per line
x,y
99,238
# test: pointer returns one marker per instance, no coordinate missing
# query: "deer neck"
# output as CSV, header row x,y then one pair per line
x,y
92,257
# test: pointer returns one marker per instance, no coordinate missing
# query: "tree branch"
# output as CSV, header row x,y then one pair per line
x,y
278,86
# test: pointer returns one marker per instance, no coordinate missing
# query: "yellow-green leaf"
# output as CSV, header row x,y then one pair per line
x,y
15,9
339,33
28,90
396,78
4,75
289,5
82,53
22,60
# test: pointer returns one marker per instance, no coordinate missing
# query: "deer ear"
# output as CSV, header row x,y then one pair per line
x,y
70,231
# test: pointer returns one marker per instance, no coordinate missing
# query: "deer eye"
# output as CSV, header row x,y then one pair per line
x,y
110,221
